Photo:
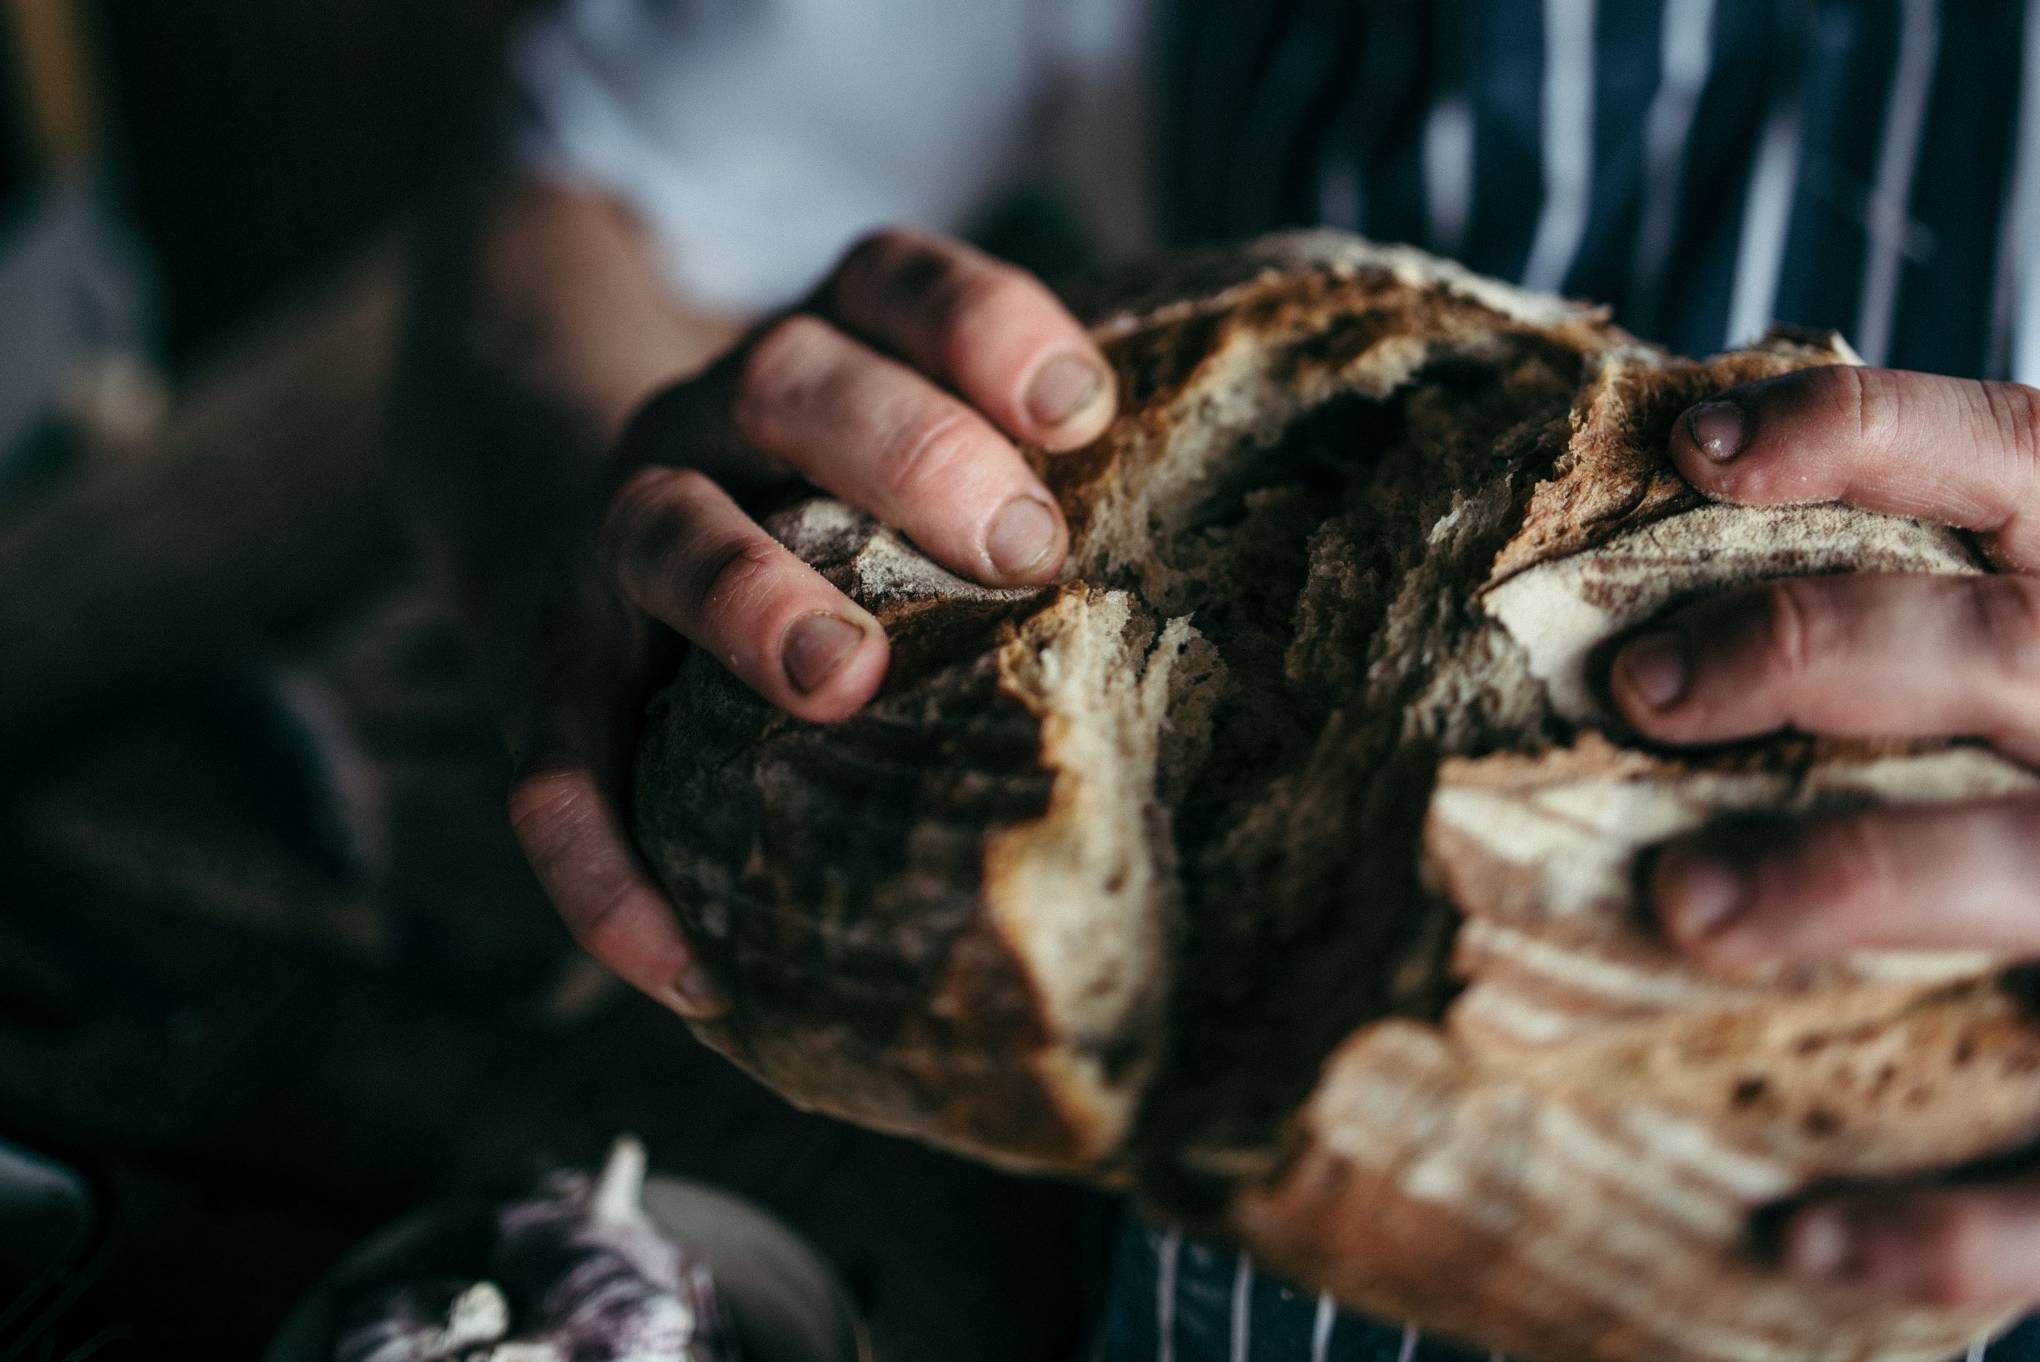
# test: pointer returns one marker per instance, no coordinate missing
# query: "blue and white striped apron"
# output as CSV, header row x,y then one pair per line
x,y
1707,166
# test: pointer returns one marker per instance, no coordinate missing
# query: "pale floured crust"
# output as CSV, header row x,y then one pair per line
x,y
1604,1107
1216,280
1572,1163
1282,863
1560,609
1586,1210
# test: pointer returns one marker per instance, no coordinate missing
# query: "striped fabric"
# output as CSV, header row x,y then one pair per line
x,y
1178,1300
1707,166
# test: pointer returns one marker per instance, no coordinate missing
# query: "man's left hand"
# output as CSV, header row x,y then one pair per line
x,y
1869,655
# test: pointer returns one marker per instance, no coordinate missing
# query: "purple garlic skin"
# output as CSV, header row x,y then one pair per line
x,y
590,1273
428,1322
585,1277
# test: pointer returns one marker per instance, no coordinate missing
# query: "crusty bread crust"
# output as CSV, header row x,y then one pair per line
x,y
1282,863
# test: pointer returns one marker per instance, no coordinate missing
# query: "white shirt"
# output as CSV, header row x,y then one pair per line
x,y
1734,162
757,138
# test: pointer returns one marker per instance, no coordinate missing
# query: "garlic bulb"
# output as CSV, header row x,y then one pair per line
x,y
593,1273
579,1274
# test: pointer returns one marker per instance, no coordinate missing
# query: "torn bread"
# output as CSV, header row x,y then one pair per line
x,y
1280,864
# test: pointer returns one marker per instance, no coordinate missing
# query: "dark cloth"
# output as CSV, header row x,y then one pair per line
x,y
1665,156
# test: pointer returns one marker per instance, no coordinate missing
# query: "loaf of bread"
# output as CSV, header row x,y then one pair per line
x,y
1280,864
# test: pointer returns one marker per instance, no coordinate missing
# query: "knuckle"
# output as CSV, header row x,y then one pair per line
x,y
641,492
599,923
1848,862
924,454
637,503
723,572
545,807
1799,623
898,271
777,371
2010,414
672,560
649,522
2007,612
876,257
976,303
952,296
1863,401
555,816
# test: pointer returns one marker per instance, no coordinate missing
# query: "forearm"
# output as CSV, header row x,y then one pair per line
x,y
538,324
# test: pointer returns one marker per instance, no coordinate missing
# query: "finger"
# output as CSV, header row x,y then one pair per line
x,y
571,834
1952,1247
1953,450
1956,876
682,552
1855,656
876,433
991,332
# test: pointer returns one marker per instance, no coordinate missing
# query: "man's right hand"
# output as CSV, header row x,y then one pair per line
x,y
901,387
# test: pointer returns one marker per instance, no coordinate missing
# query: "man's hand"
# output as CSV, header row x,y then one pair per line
x,y
1860,656
548,349
901,389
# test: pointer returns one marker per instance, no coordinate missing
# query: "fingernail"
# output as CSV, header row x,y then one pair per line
x,y
1654,667
1717,429
1023,533
1819,1243
1062,388
695,994
816,646
1697,894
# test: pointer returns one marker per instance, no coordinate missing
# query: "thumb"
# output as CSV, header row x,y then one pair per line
x,y
573,835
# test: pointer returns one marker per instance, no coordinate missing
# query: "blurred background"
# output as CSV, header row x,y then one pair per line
x,y
271,971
